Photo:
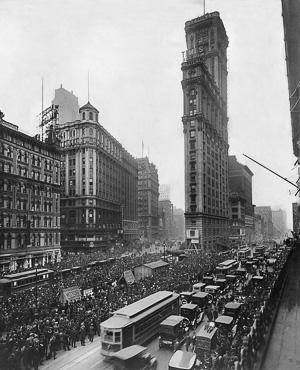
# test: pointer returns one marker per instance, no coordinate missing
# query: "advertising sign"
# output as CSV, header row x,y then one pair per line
x,y
129,277
88,292
70,294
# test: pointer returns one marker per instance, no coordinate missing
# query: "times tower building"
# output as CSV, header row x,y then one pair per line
x,y
204,85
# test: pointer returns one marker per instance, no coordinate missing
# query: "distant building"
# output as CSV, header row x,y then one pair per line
x,y
204,85
296,217
267,226
68,107
30,199
164,192
148,195
258,229
240,202
279,223
165,211
99,181
179,227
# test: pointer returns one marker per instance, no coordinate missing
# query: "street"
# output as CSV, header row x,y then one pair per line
x,y
90,358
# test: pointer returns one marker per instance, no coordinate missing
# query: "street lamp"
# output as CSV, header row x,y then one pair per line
x,y
36,268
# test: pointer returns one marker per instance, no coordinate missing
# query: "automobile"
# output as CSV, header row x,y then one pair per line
x,y
201,299
193,313
225,324
212,289
208,279
134,357
172,331
186,297
232,309
199,287
182,360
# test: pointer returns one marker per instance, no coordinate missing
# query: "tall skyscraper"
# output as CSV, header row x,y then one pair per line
x,y
205,120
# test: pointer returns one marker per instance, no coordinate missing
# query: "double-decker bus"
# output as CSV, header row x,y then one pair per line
x,y
243,253
226,267
137,322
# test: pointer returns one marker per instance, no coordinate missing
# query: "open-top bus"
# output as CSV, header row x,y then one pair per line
x,y
137,322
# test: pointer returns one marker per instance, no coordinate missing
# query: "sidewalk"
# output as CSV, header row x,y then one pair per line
x,y
68,359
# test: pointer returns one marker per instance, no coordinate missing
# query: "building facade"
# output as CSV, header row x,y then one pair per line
x,y
267,225
165,211
240,202
205,121
99,181
258,229
30,199
296,218
179,229
148,195
279,223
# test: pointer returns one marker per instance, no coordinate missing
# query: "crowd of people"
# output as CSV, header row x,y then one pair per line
x,y
33,331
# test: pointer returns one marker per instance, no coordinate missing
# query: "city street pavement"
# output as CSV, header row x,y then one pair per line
x,y
284,347
89,357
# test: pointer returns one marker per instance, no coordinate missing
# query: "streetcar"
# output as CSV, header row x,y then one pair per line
x,y
137,322
24,280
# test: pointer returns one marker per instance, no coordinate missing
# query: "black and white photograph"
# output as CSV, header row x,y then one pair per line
x,y
150,185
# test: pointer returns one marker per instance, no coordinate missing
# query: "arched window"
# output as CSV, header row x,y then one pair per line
x,y
90,116
83,115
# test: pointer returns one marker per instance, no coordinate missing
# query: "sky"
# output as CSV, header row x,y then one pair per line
x,y
132,52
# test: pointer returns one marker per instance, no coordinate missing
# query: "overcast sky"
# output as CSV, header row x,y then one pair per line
x,y
132,50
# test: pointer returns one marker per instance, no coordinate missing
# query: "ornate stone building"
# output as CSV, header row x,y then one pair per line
x,y
99,180
29,199
204,85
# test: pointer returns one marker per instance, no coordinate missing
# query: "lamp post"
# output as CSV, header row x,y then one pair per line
x,y
36,268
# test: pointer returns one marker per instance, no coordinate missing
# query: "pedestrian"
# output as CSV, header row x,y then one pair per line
x,y
188,341
52,347
91,333
194,339
73,335
82,334
66,341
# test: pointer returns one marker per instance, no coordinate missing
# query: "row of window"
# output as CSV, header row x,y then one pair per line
x,y
25,157
7,241
21,221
